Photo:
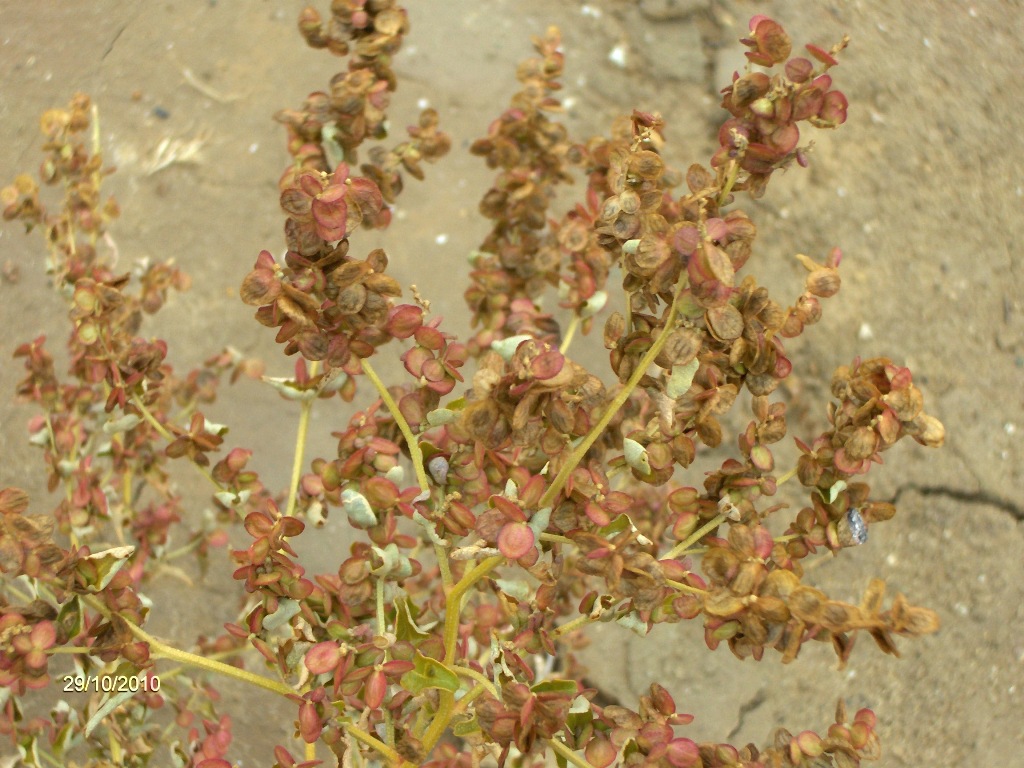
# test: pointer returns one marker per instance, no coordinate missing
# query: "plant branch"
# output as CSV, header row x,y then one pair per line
x,y
166,435
300,446
568,754
376,744
696,536
453,610
410,439
613,407
163,651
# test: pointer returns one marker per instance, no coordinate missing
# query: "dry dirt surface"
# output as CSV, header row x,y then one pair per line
x,y
922,189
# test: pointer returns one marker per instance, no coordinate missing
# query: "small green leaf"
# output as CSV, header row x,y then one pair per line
x,y
539,521
681,378
429,673
566,687
633,622
507,347
406,627
636,456
838,487
466,728
594,304
110,703
357,508
288,389
121,424
440,416
395,563
286,609
514,588
108,563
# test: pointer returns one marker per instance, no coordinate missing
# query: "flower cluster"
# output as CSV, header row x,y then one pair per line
x,y
763,134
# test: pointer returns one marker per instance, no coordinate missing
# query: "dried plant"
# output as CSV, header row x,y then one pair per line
x,y
541,498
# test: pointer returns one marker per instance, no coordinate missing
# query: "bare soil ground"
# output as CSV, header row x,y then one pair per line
x,y
922,188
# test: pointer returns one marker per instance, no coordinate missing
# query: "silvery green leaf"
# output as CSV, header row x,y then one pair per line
x,y
507,347
396,474
579,705
357,508
108,563
539,522
428,528
515,588
287,389
286,609
214,428
511,491
618,525
440,416
335,154
42,437
594,304
121,424
632,622
636,456
394,562
315,514
112,702
227,498
681,378
837,487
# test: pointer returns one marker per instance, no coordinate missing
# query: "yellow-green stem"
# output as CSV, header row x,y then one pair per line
x,y
478,676
389,725
374,743
697,535
570,626
787,477
300,447
623,395
453,610
730,180
163,651
686,587
166,435
569,333
568,754
463,704
453,604
403,426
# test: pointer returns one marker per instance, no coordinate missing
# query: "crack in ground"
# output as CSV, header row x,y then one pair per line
x,y
746,708
971,497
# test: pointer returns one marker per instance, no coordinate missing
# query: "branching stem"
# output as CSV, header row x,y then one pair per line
x,y
696,536
613,407
300,446
403,425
